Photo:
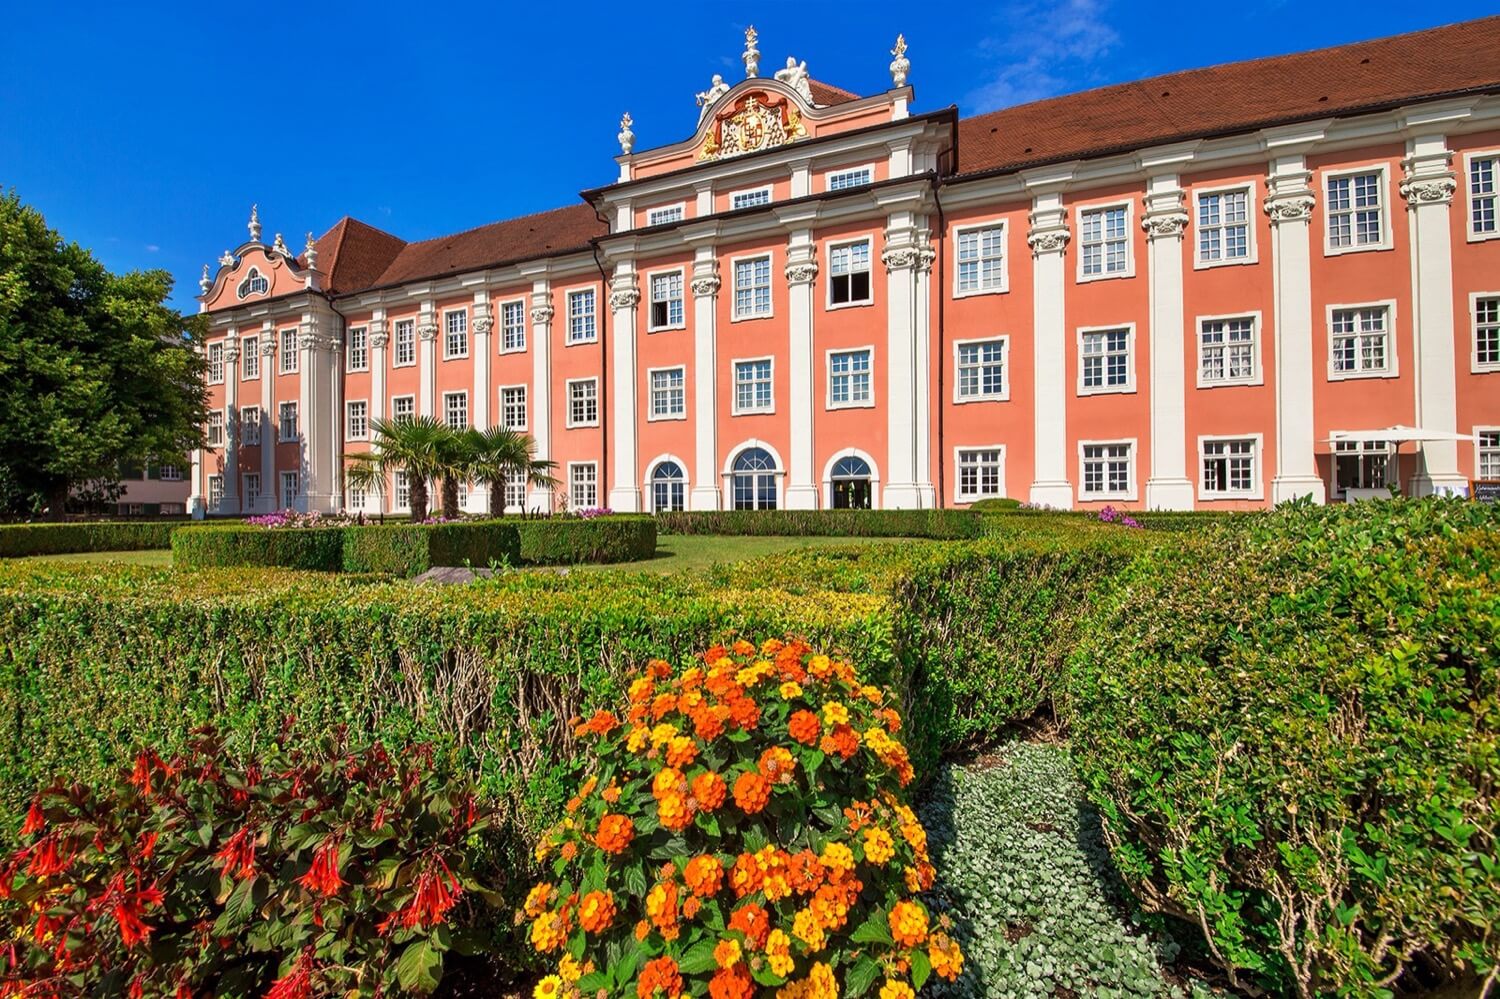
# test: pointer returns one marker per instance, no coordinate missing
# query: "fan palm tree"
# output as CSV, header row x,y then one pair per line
x,y
498,455
454,459
418,446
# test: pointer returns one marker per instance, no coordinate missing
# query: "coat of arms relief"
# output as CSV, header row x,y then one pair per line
x,y
753,127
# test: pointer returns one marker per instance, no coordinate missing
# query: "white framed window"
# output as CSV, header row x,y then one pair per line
x,y
357,350
255,283
754,478
981,473
401,493
979,259
356,420
1484,309
752,287
403,407
583,402
668,393
1360,344
667,309
583,484
354,496
849,273
251,489
515,494
513,407
513,326
1225,226
406,343
842,180
456,409
1229,467
288,351
850,378
250,425
215,492
1355,202
980,370
582,316
216,428
1104,249
286,421
752,198
665,214
456,334
1363,465
169,473
215,363
1487,453
1482,176
1107,470
291,485
1229,350
753,386
668,486
249,358
1106,360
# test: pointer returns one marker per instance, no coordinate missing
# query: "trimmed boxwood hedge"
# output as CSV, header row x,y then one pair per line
x,y
949,525
20,540
573,540
1293,733
398,549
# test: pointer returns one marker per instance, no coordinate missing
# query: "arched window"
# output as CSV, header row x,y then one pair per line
x,y
851,483
668,487
255,283
754,480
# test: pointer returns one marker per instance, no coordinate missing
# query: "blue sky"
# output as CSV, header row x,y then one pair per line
x,y
146,133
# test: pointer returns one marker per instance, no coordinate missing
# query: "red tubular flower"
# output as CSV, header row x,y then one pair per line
x,y
147,845
322,878
238,855
133,929
436,890
35,820
295,984
46,860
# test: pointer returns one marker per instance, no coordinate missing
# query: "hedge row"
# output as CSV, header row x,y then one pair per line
x,y
398,549
950,525
19,540
573,540
1293,733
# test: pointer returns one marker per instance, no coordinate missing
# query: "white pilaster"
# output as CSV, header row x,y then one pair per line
x,y
1165,219
540,497
380,340
1289,203
231,423
801,278
624,298
1048,240
427,331
922,361
479,398
1428,188
906,252
307,440
198,502
705,473
270,495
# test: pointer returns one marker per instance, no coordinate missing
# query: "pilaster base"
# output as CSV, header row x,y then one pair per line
x,y
1169,494
539,500
801,497
1438,485
1054,493
703,498
321,502
905,496
197,508
1290,487
625,499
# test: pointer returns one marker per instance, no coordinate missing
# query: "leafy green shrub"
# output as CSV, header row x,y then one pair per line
x,y
770,782
412,549
315,548
994,505
938,524
299,873
574,540
1025,874
18,540
1293,732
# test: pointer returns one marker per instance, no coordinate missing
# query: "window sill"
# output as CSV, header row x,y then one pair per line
x,y
1231,382
1208,497
750,318
1106,390
581,343
513,350
1208,265
1112,276
978,293
861,304
667,418
580,426
992,397
667,329
1350,376
768,411
867,404
1128,497
1480,237
1339,251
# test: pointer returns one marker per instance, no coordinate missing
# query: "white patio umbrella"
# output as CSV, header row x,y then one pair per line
x,y
1396,435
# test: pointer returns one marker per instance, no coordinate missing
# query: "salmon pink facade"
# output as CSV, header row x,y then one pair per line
x,y
1217,289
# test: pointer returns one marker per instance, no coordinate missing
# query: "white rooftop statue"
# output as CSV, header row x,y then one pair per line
x,y
310,252
626,136
708,98
900,66
254,224
795,76
752,54
280,246
205,282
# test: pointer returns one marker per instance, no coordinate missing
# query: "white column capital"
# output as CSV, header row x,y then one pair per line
x,y
1048,232
1427,172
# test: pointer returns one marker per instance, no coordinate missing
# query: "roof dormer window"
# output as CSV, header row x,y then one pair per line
x,y
255,283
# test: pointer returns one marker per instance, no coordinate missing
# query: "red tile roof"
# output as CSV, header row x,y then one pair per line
x,y
826,93
353,254
544,234
1236,97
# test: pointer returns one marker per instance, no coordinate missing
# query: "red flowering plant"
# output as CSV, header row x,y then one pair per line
x,y
300,873
743,830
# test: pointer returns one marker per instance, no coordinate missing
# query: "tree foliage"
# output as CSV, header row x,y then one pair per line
x,y
97,371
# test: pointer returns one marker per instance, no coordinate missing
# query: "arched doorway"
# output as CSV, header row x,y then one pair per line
x,y
753,480
851,484
668,487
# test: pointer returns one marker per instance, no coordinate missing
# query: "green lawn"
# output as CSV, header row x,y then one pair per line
x,y
679,552
155,556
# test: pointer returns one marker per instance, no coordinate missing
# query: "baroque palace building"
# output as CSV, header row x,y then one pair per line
x,y
1214,289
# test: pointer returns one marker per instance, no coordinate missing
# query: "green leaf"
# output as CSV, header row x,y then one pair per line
x,y
420,968
861,976
700,958
875,929
921,968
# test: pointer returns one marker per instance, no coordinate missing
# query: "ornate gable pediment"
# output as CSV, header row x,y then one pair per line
x,y
757,120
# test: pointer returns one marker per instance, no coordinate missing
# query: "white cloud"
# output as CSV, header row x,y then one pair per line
x,y
1044,50
152,248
